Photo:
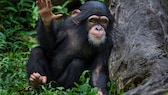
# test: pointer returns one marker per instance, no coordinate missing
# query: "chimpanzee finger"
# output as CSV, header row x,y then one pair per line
x,y
49,3
41,1
37,75
38,1
32,78
43,79
100,92
38,4
57,16
44,3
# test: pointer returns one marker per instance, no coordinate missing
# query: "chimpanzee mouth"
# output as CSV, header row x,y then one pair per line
x,y
94,41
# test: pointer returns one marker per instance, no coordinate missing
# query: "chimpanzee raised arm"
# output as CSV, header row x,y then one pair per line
x,y
82,42
46,27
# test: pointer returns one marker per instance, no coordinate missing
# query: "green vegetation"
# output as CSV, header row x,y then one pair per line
x,y
17,27
17,37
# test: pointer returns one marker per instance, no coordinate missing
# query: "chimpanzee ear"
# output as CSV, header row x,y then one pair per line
x,y
74,14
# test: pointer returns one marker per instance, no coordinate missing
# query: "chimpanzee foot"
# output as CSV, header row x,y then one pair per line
x,y
36,80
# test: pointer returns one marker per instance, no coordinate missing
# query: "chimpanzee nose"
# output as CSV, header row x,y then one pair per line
x,y
99,28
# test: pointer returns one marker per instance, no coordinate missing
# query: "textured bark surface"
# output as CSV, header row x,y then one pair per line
x,y
139,61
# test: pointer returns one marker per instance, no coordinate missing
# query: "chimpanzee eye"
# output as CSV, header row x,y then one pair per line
x,y
93,19
104,20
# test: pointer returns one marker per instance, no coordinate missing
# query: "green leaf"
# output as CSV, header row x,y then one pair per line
x,y
11,9
58,7
66,3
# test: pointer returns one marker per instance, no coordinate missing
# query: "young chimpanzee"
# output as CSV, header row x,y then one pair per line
x,y
82,42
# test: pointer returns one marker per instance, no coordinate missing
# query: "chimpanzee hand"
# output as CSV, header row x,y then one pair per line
x,y
45,11
100,92
36,79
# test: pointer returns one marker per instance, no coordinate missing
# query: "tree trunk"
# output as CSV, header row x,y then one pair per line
x,y
139,60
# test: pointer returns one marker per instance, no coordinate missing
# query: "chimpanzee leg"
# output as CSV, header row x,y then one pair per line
x,y
72,73
38,63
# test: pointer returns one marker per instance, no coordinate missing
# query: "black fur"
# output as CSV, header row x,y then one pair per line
x,y
65,52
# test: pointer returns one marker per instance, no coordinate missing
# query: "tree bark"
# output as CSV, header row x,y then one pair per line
x,y
139,60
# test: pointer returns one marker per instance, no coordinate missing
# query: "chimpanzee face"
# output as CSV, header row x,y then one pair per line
x,y
96,29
